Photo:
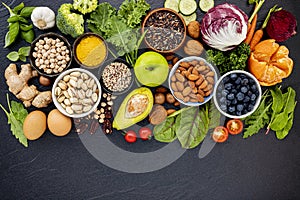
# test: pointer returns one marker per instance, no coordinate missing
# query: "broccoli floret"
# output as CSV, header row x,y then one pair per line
x,y
85,6
69,23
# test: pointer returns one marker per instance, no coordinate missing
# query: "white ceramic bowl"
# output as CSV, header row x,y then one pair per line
x,y
188,59
218,95
61,108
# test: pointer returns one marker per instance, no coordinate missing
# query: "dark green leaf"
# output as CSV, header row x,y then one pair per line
x,y
25,27
192,127
13,19
13,56
281,134
165,132
26,12
18,8
24,51
12,34
28,36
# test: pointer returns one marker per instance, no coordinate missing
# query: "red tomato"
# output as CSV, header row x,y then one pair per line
x,y
130,136
234,126
220,134
145,133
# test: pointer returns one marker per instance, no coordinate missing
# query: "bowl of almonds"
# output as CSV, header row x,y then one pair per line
x,y
76,92
50,54
192,81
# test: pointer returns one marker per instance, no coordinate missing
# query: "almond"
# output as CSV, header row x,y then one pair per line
x,y
175,59
184,65
193,77
200,98
173,78
194,71
192,84
199,81
211,73
179,77
178,95
203,85
186,91
200,92
179,86
170,111
208,87
186,99
174,87
210,79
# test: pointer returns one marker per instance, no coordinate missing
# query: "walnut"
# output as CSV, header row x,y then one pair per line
x,y
193,29
157,115
193,48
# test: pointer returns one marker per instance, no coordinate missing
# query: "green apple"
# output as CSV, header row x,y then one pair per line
x,y
151,69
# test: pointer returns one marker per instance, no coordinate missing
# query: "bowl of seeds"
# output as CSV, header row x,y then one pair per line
x,y
76,92
165,30
116,76
50,54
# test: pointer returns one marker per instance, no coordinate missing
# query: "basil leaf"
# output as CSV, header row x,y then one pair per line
x,y
24,51
22,58
26,12
28,36
13,56
192,127
25,27
165,132
12,34
13,19
23,20
18,8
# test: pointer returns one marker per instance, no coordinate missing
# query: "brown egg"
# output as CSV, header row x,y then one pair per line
x,y
35,125
59,124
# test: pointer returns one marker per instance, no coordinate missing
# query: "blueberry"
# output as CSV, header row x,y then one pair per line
x,y
233,76
219,95
253,88
225,93
223,107
253,97
220,88
222,100
238,81
231,109
250,107
245,81
238,113
246,99
251,81
240,107
226,79
240,96
228,86
244,89
228,102
234,91
249,93
234,102
230,96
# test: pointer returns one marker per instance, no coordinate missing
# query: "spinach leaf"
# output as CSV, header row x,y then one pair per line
x,y
192,126
165,131
281,134
15,117
258,119
281,119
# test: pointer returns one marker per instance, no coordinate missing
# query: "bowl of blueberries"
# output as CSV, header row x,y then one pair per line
x,y
237,94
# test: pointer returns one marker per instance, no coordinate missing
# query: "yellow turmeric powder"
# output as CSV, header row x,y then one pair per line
x,y
91,51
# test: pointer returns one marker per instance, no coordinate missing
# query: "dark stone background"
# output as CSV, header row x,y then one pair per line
x,y
260,167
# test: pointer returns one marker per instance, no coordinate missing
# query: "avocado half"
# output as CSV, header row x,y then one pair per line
x,y
123,118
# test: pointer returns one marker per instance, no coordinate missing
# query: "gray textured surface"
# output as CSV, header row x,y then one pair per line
x,y
260,167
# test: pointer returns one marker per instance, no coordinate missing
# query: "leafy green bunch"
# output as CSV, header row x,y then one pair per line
x,y
276,111
18,24
120,28
225,61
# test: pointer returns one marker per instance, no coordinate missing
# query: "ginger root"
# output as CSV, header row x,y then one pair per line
x,y
18,85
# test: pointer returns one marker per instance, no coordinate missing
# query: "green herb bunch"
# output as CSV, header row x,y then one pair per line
x,y
18,24
276,111
225,61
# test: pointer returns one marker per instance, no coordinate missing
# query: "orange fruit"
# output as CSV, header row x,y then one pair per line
x,y
270,63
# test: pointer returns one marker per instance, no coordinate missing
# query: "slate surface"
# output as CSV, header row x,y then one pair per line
x,y
260,167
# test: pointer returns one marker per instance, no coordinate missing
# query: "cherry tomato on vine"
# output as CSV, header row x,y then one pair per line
x,y
220,134
130,136
145,133
234,126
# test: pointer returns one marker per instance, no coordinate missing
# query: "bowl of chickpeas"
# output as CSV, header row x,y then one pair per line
x,y
50,54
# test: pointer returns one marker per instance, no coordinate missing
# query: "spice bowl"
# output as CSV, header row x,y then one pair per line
x,y
165,30
237,94
76,92
90,50
192,80
116,76
50,54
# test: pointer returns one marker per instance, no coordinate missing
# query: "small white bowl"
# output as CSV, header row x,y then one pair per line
x,y
217,98
188,59
59,106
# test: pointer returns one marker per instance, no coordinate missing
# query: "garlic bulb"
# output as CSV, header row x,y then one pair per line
x,y
43,18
